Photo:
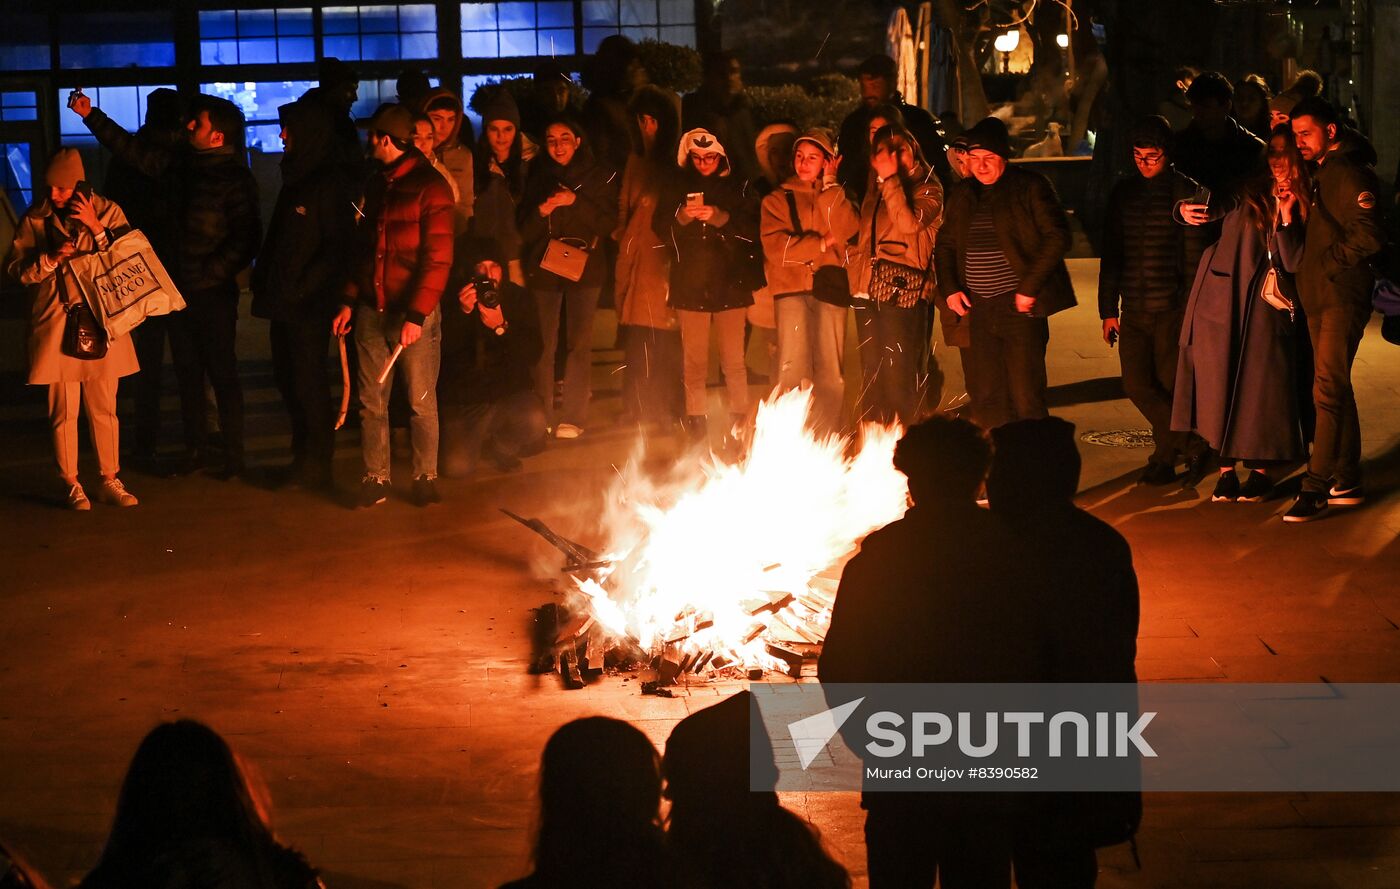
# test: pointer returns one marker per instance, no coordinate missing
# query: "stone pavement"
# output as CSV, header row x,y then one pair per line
x,y
371,665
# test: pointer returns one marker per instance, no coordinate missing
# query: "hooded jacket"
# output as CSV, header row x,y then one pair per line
x,y
586,222
301,270
705,257
792,249
217,226
403,244
1344,228
147,202
457,159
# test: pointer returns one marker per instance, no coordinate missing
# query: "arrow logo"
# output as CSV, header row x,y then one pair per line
x,y
811,735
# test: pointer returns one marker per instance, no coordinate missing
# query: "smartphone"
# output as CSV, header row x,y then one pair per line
x,y
695,199
1112,338
83,188
1202,196
73,96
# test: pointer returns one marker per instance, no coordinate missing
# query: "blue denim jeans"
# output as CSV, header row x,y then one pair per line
x,y
812,347
376,335
894,361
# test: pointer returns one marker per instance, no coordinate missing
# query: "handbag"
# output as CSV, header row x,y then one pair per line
x,y
894,282
891,281
83,337
125,284
1270,291
830,284
565,257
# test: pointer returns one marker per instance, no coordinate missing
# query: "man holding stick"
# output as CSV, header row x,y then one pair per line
x,y
400,261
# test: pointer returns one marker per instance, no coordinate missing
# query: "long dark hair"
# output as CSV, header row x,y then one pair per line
x,y
654,101
600,800
1258,199
185,786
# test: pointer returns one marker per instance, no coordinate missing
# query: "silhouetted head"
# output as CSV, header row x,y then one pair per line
x,y
709,757
600,799
1036,465
184,786
412,87
945,459
165,109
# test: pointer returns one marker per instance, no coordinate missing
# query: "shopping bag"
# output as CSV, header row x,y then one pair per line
x,y
125,284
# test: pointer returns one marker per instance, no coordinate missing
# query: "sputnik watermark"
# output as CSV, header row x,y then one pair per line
x,y
1110,735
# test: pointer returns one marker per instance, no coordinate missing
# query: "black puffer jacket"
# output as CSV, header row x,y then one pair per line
x,y
217,226
301,270
586,222
708,262
1149,261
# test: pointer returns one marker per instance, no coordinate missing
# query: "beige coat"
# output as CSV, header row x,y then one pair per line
x,y
792,256
41,232
904,230
643,264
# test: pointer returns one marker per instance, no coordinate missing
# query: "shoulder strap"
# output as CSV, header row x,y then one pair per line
x,y
792,211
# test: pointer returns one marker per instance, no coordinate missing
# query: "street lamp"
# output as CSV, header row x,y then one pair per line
x,y
1006,44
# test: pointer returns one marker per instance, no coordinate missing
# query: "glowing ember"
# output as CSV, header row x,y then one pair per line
x,y
731,557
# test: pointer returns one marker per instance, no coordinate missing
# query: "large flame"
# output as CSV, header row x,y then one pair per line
x,y
694,558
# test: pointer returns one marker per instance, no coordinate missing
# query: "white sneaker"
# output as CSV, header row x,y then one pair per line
x,y
114,493
567,430
77,499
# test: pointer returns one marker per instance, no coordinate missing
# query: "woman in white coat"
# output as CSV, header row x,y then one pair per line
x,y
66,224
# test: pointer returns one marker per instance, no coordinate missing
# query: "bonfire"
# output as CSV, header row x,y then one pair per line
x,y
728,566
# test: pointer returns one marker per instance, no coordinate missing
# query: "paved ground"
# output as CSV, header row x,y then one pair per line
x,y
372,664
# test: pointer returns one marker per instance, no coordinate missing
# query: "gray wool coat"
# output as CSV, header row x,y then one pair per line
x,y
1237,365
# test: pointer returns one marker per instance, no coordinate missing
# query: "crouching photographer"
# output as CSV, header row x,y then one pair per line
x,y
491,346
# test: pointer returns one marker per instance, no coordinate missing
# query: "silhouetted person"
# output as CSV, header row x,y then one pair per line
x,y
611,76
877,87
600,801
723,834
1215,150
1088,615
338,90
551,94
298,280
721,106
150,206
187,816
937,597
412,87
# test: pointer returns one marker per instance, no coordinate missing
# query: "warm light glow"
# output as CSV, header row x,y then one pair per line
x,y
724,539
1062,41
1008,42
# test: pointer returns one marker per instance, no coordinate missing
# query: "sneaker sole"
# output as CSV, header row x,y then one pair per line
x,y
1259,499
1217,499
1298,520
1345,501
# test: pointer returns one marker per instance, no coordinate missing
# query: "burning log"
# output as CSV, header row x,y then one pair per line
x,y
568,667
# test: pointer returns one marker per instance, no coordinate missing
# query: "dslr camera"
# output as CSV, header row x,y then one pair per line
x,y
487,293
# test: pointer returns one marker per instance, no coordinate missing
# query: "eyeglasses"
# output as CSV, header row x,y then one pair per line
x,y
704,158
1151,159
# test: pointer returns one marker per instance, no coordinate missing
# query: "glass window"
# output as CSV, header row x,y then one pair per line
x,y
470,84
364,33
117,40
671,21
124,104
24,42
518,28
19,105
18,174
255,36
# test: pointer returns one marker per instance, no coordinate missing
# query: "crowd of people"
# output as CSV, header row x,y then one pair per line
x,y
1235,275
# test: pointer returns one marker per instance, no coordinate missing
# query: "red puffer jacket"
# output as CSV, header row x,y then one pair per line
x,y
403,245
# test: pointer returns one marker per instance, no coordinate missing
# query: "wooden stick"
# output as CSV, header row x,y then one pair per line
x,y
345,383
384,374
